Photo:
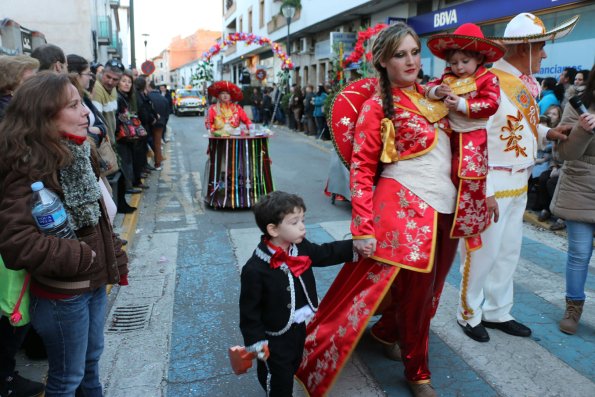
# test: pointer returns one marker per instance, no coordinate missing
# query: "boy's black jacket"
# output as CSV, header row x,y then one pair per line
x,y
265,297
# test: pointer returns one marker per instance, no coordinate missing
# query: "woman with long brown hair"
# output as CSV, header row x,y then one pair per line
x,y
43,138
405,220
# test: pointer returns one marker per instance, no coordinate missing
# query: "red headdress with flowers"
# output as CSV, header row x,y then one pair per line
x,y
226,86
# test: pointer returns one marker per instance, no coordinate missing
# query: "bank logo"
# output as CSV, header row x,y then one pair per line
x,y
445,18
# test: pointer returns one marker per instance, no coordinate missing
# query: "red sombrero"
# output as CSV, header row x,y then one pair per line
x,y
344,113
226,86
467,37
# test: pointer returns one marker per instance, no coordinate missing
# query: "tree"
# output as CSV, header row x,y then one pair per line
x,y
294,3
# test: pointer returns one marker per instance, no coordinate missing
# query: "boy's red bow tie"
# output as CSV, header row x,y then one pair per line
x,y
297,264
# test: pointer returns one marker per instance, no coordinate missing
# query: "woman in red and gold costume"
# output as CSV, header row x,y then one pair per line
x,y
401,145
225,116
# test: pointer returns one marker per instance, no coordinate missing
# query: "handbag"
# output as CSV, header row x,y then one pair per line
x,y
14,295
130,128
109,160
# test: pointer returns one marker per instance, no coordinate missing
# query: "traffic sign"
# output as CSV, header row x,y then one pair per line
x,y
148,67
261,74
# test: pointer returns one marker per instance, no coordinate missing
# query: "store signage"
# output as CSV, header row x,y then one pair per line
x,y
445,18
476,12
563,55
345,39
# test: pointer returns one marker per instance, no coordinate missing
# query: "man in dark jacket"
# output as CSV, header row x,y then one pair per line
x,y
162,108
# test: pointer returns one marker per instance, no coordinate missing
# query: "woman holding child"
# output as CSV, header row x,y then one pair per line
x,y
406,220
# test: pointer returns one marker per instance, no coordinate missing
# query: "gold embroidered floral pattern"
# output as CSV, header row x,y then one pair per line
x,y
513,125
327,360
409,242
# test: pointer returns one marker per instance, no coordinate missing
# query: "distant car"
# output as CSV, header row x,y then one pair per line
x,y
189,101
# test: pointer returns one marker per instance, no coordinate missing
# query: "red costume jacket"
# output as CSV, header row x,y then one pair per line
x,y
231,114
402,223
470,159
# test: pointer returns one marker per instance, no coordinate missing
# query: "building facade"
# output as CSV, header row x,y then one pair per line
x,y
575,50
94,29
318,26
314,30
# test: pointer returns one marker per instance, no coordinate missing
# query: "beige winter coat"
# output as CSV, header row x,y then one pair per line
x,y
574,198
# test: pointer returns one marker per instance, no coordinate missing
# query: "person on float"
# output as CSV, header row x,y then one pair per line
x,y
472,94
405,220
514,135
224,117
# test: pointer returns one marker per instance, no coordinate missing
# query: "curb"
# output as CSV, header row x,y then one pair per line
x,y
531,218
128,228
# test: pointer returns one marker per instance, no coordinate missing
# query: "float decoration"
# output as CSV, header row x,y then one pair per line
x,y
249,38
359,50
202,73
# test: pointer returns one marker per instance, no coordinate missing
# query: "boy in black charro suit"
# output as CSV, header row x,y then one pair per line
x,y
278,290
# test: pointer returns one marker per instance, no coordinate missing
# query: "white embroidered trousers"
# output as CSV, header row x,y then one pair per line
x,y
486,290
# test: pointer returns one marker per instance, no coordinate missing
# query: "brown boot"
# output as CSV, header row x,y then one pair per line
x,y
569,323
423,390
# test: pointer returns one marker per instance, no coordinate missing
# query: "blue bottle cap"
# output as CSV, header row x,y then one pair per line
x,y
37,186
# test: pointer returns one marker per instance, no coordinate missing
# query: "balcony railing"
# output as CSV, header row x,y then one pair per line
x,y
104,30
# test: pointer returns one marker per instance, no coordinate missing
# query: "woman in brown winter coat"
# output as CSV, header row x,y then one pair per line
x,y
574,201
43,138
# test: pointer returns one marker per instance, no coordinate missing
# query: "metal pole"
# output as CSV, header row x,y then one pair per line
x,y
132,45
288,51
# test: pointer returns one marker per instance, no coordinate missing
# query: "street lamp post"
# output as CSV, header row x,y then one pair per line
x,y
288,12
145,35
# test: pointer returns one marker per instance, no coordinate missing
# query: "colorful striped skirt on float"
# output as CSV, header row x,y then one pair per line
x,y
238,171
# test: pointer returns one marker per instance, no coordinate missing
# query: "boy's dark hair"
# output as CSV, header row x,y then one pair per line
x,y
273,207
471,54
47,55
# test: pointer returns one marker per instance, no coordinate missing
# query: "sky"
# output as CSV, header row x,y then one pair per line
x,y
165,19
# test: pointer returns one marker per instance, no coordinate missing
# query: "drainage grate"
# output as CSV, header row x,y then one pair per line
x,y
129,318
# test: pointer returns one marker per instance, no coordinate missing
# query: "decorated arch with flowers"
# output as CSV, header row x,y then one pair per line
x,y
250,38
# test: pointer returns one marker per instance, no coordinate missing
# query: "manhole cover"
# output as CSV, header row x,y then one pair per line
x,y
129,318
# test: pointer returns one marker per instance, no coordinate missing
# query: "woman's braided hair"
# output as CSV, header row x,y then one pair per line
x,y
384,47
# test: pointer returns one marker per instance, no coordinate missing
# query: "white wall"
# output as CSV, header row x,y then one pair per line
x,y
65,23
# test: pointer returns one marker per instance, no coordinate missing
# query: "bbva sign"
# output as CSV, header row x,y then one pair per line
x,y
445,18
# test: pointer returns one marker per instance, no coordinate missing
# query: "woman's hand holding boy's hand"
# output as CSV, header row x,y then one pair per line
x,y
365,247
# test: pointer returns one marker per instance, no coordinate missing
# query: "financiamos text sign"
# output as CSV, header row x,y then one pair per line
x,y
445,18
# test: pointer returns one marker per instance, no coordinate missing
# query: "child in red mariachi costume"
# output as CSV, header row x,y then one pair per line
x,y
472,94
225,116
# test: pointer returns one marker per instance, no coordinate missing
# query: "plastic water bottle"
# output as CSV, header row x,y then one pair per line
x,y
49,213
